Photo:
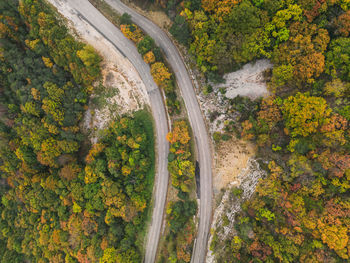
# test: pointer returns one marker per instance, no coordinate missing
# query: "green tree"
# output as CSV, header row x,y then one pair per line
x,y
125,19
180,30
338,58
90,59
145,45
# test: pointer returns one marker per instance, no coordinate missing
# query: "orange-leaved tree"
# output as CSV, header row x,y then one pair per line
x,y
149,57
179,133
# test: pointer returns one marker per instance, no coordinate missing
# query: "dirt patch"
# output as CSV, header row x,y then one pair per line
x,y
160,18
128,98
116,96
230,158
154,14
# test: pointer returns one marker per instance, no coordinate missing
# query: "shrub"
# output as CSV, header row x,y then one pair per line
x,y
125,19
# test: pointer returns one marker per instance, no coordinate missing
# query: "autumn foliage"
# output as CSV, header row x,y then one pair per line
x,y
179,133
181,168
305,114
161,74
303,202
132,32
152,55
149,57
300,210
181,211
63,200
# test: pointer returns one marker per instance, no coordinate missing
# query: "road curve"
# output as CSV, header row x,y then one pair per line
x,y
90,14
197,122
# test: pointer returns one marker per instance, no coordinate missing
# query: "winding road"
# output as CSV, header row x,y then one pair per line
x,y
198,126
88,13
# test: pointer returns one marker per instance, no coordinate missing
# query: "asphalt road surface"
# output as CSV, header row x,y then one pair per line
x,y
198,127
90,14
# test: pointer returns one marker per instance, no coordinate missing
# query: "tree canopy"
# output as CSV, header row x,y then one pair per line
x,y
63,200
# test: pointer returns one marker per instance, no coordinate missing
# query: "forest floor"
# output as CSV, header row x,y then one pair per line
x,y
120,90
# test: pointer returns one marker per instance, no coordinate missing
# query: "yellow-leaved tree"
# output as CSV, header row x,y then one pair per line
x,y
305,114
160,74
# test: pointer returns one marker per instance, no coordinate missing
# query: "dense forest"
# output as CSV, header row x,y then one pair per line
x,y
300,211
63,200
